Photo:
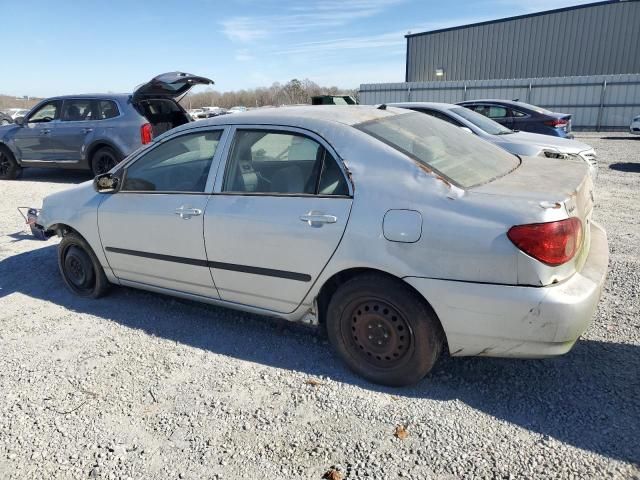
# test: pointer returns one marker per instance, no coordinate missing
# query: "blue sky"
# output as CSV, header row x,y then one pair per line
x,y
65,47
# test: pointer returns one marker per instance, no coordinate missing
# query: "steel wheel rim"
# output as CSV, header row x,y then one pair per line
x,y
80,276
378,332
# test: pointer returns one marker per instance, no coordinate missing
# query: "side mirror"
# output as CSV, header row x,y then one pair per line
x,y
19,121
466,129
106,183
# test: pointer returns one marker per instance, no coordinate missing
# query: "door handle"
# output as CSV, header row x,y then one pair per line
x,y
186,212
317,219
45,131
87,130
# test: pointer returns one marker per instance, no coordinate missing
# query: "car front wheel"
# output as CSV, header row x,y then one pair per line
x,y
383,330
9,168
80,268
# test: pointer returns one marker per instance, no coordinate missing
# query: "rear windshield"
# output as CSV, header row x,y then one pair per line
x,y
534,108
459,156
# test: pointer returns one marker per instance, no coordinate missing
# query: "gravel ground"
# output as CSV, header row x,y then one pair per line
x,y
138,385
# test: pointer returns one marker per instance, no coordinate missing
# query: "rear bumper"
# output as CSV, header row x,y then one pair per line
x,y
512,321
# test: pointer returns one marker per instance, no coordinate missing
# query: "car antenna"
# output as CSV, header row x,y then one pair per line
x,y
382,106
516,99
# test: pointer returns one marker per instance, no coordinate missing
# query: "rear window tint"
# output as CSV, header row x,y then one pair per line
x,y
464,159
107,109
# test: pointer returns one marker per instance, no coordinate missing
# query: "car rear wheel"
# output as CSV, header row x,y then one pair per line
x,y
9,168
383,330
80,268
103,160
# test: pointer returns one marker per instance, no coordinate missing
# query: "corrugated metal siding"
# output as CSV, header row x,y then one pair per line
x,y
595,40
580,96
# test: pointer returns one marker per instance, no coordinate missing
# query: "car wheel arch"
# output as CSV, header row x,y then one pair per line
x,y
97,145
332,284
62,229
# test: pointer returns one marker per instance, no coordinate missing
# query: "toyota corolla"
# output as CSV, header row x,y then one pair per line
x,y
396,232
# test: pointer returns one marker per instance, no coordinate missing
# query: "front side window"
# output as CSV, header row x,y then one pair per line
x,y
46,113
77,110
464,159
180,164
267,162
107,109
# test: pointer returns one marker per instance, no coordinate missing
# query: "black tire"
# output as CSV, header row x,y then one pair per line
x,y
9,168
383,330
103,160
80,269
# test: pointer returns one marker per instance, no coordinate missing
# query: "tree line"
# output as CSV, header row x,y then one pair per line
x,y
291,93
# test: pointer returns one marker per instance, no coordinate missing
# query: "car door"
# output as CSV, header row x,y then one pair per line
x,y
152,228
33,138
280,207
76,123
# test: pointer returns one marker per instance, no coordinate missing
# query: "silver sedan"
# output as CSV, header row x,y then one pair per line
x,y
513,141
397,233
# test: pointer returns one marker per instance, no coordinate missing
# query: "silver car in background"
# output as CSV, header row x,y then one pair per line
x,y
396,232
634,127
516,142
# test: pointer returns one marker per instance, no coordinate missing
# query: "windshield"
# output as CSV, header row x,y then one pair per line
x,y
480,121
462,158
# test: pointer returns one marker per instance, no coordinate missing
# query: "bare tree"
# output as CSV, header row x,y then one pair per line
x,y
293,92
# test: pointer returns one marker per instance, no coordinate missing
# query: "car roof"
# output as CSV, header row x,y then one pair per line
x,y
435,105
106,96
315,118
493,100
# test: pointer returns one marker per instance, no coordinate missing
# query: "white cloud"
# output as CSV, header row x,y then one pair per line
x,y
313,16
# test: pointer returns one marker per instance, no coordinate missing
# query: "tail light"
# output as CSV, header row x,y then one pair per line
x,y
552,243
146,133
557,123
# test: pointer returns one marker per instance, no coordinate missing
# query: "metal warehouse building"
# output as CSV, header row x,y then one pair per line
x,y
583,60
600,38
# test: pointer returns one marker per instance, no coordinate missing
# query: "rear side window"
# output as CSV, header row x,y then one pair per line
x,y
464,159
180,164
276,162
77,110
107,109
492,111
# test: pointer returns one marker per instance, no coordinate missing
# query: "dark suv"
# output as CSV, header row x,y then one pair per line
x,y
94,132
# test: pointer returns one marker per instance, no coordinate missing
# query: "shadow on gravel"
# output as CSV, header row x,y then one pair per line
x,y
626,167
589,398
630,137
54,175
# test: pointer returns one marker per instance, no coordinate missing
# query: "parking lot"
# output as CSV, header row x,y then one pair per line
x,y
139,385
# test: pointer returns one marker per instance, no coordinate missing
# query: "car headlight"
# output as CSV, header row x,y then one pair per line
x,y
554,154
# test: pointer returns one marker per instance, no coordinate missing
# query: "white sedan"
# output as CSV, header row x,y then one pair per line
x,y
396,232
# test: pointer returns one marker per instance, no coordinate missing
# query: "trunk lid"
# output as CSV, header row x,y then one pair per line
x,y
563,145
541,185
169,85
